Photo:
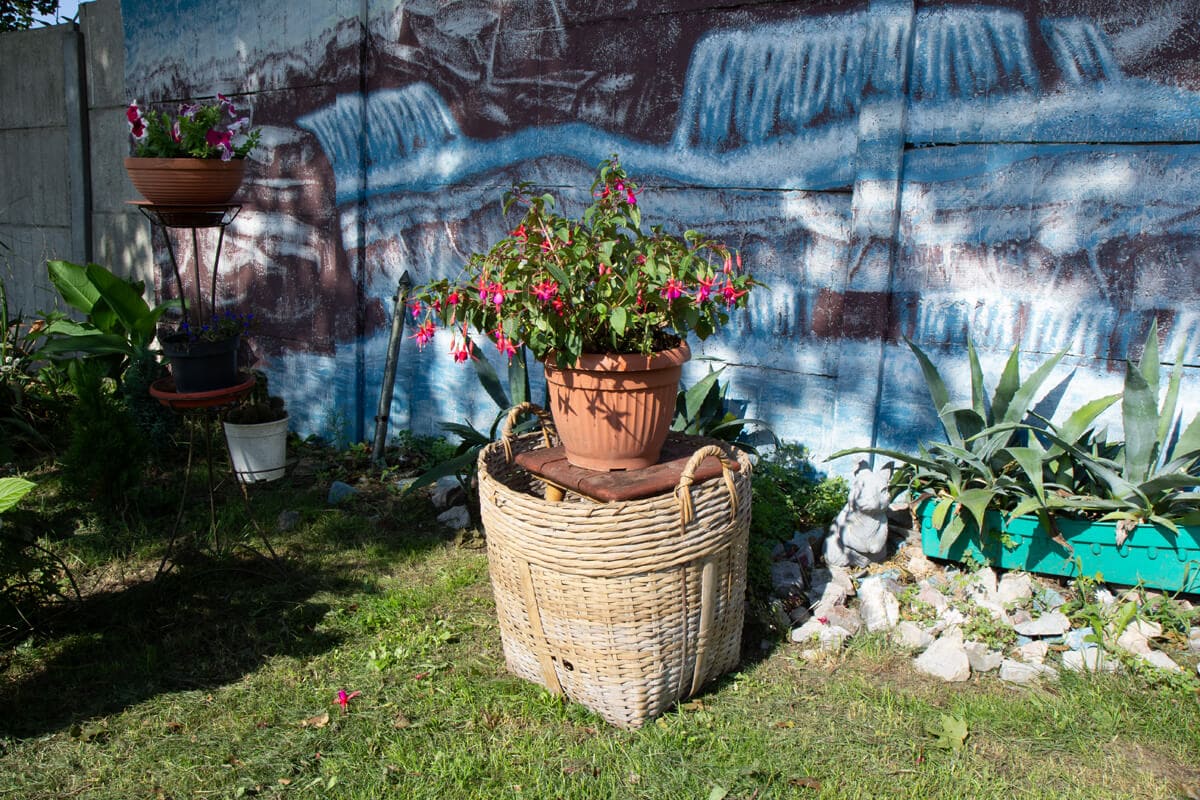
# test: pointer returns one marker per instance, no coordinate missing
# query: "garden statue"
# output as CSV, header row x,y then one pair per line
x,y
859,534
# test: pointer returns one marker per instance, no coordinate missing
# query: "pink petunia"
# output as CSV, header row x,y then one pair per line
x,y
137,125
223,140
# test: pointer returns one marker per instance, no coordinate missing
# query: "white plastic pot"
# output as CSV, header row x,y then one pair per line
x,y
258,452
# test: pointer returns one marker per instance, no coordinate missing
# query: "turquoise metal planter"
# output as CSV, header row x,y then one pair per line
x,y
1151,555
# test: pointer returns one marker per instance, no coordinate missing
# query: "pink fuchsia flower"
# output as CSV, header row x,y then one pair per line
x,y
415,309
673,290
503,344
344,698
137,125
452,298
731,294
728,268
705,289
461,349
424,334
630,197
558,306
520,233
545,290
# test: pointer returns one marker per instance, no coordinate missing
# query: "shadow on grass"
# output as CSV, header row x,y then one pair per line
x,y
208,622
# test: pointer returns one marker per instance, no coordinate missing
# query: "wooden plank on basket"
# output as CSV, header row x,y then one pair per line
x,y
551,465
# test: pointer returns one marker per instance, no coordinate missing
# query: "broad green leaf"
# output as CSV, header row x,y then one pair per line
x,y
937,388
89,342
72,283
467,432
1010,381
1189,440
977,501
12,490
518,377
490,380
1166,417
940,510
1082,418
978,390
129,306
1148,364
1030,461
617,320
1139,413
1026,506
951,533
1023,398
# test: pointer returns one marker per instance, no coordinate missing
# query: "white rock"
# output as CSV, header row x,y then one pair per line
x,y
931,596
1020,672
945,658
1161,660
1151,630
828,589
1014,588
952,616
440,492
1194,640
983,583
828,637
992,607
1033,652
878,606
786,578
1134,641
1053,624
844,617
981,657
911,636
1105,598
455,518
1091,660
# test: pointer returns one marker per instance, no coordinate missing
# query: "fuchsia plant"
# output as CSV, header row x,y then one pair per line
x,y
204,130
601,284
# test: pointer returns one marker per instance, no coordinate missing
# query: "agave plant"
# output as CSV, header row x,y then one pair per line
x,y
992,459
1151,476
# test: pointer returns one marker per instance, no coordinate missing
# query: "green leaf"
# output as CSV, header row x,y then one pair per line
x,y
937,388
1139,413
1010,381
951,733
1166,417
129,306
1029,459
978,390
72,283
1023,398
617,320
1148,365
940,510
490,380
977,501
518,377
1083,417
12,490
1189,440
951,533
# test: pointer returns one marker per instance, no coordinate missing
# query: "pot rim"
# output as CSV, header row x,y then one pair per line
x,y
626,362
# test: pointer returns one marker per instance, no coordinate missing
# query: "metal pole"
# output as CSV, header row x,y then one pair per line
x,y
403,287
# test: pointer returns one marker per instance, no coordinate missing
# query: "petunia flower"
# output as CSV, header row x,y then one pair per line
x,y
137,124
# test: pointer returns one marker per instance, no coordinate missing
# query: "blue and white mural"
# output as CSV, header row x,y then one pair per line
x,y
890,169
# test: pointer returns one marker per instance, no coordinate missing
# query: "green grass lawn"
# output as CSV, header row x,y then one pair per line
x,y
219,679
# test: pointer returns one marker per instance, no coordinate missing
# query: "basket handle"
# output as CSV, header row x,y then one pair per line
x,y
683,492
514,413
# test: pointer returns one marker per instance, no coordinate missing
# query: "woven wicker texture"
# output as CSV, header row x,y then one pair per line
x,y
626,607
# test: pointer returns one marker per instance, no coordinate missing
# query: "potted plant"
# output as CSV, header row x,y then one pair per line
x,y
195,157
1012,488
204,356
256,434
605,303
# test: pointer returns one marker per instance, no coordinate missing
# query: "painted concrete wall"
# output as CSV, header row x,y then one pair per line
x,y
932,170
62,138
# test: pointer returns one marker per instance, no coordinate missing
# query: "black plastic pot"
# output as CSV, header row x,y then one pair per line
x,y
201,366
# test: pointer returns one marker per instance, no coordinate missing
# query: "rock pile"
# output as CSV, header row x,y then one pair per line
x,y
957,623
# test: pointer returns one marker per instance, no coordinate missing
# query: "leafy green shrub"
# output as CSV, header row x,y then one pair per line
x,y
790,495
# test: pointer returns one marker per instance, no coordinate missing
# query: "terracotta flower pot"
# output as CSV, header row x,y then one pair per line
x,y
186,181
614,411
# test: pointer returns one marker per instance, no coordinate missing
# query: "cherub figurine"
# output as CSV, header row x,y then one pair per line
x,y
859,534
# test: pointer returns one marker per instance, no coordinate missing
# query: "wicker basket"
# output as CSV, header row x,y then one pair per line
x,y
624,607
